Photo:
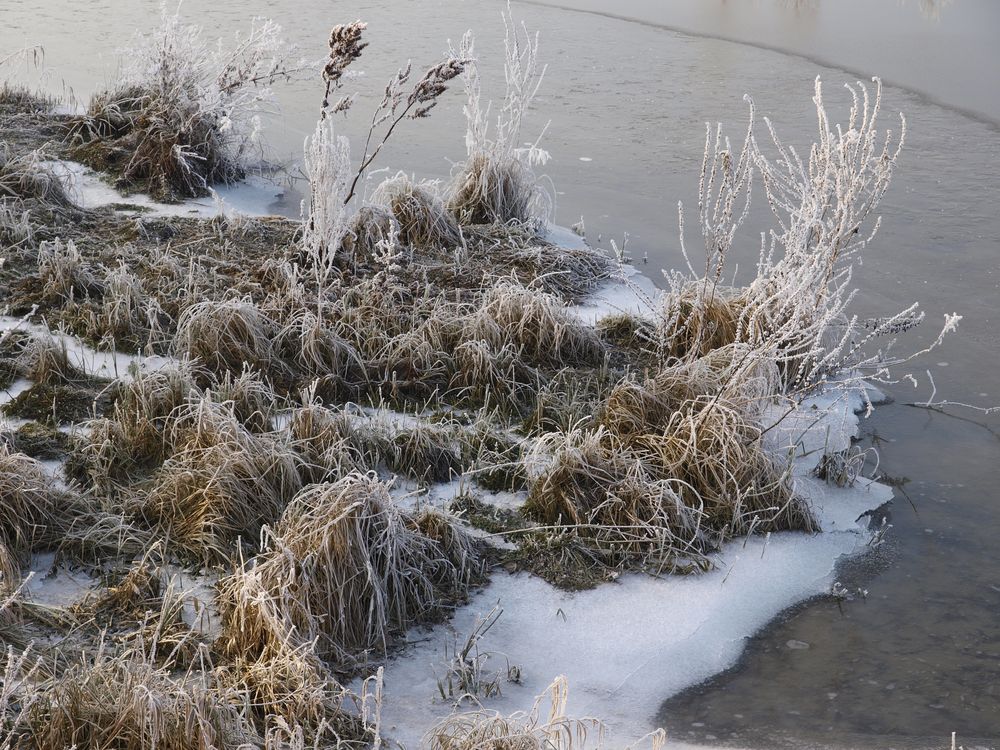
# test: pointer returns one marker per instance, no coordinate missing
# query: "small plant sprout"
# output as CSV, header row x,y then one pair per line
x,y
466,674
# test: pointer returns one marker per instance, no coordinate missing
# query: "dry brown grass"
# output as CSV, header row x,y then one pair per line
x,y
128,703
700,318
535,323
346,569
114,451
544,727
423,220
221,484
332,444
45,359
10,577
25,177
34,510
229,336
673,465
63,274
487,190
367,232
317,350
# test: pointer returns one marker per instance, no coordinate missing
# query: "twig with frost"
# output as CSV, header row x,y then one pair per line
x,y
930,403
327,163
396,107
345,47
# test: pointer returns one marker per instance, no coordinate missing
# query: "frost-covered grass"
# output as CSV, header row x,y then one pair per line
x,y
184,113
496,184
351,422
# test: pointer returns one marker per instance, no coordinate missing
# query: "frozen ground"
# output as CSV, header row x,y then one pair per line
x,y
626,646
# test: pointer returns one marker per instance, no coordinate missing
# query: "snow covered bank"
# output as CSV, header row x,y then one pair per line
x,y
251,197
626,647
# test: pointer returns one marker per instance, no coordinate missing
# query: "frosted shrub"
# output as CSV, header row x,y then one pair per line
x,y
796,308
496,184
332,180
186,113
327,164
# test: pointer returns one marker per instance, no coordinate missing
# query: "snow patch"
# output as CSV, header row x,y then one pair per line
x,y
629,292
81,356
251,197
564,237
56,586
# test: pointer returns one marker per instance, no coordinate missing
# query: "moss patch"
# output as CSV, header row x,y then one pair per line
x,y
40,441
61,403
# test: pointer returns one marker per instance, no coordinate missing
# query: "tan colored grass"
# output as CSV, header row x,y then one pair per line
x,y
347,569
129,703
10,575
229,336
332,444
319,351
491,190
62,271
621,505
25,177
422,218
221,484
367,231
34,510
45,359
545,726
535,323
672,465
698,319
135,438
494,378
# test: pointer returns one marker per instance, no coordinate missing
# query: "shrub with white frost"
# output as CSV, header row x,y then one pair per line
x,y
185,112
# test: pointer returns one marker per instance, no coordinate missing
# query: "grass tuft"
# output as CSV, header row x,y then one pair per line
x,y
346,568
34,511
220,485
25,177
423,220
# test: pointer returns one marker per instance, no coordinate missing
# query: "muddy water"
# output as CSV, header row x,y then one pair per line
x,y
625,102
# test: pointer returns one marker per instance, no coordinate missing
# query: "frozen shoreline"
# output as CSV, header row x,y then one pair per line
x,y
625,647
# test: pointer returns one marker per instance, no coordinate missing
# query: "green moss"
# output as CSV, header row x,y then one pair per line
x,y
562,559
60,403
40,441
486,517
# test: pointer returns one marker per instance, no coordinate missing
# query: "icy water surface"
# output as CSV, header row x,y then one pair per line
x,y
626,102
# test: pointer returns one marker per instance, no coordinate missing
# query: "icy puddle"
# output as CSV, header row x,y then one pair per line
x,y
625,646
90,361
251,197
